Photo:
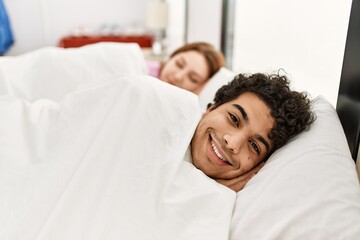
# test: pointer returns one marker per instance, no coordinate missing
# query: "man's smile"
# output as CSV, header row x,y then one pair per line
x,y
216,153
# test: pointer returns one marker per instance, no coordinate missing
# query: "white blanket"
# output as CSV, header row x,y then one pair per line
x,y
107,162
53,72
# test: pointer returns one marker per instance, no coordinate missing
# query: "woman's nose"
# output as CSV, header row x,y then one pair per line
x,y
179,76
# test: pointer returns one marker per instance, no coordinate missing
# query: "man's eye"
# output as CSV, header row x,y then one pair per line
x,y
255,147
234,119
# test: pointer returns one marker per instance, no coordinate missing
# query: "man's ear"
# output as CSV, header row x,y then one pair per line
x,y
210,107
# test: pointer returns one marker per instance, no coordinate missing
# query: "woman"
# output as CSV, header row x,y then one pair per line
x,y
191,66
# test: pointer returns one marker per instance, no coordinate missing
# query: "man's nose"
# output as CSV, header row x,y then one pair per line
x,y
234,142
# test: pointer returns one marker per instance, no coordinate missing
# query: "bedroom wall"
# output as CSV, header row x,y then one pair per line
x,y
306,38
204,19
38,23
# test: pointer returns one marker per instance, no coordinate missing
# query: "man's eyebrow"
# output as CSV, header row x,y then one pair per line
x,y
242,111
246,118
261,139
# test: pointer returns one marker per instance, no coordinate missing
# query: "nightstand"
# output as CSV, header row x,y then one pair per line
x,y
144,41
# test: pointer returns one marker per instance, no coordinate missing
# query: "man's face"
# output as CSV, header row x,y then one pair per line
x,y
232,138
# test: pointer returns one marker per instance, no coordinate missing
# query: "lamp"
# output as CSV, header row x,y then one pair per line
x,y
157,19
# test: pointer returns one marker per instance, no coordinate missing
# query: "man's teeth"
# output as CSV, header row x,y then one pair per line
x,y
217,152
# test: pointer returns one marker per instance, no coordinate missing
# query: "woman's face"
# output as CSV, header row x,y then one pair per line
x,y
233,138
187,70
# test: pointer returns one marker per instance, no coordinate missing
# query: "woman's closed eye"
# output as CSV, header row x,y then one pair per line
x,y
193,79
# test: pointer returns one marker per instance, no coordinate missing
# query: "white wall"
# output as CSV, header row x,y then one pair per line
x,y
204,18
26,23
38,23
306,38
176,24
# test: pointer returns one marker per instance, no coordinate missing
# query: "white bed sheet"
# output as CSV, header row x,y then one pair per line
x,y
107,162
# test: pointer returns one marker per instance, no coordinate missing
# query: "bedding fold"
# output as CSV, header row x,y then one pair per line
x,y
107,162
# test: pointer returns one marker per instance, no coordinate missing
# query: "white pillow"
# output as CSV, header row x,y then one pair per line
x,y
222,77
52,72
308,189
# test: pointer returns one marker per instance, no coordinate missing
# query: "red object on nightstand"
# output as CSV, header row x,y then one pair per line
x,y
145,41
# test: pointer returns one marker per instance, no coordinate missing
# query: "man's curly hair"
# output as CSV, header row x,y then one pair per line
x,y
290,109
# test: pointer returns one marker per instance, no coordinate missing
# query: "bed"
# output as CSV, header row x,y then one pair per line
x,y
93,148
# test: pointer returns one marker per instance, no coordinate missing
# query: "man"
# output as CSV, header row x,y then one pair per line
x,y
250,118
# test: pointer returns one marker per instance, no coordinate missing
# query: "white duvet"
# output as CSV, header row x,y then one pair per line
x,y
107,162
